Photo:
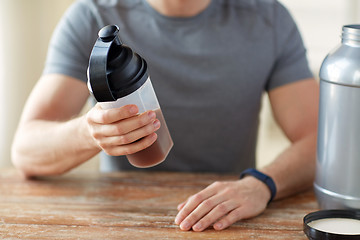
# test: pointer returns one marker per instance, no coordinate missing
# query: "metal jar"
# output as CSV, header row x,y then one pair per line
x,y
337,183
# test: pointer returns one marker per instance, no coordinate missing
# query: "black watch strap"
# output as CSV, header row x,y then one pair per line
x,y
262,177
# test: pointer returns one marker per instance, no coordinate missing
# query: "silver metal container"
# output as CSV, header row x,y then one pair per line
x,y
337,183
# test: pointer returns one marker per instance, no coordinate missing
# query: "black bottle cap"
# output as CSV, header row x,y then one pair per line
x,y
114,69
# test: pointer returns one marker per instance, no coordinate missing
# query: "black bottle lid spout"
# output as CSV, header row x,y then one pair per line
x,y
114,69
108,33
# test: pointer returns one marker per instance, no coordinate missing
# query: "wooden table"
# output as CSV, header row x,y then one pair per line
x,y
128,205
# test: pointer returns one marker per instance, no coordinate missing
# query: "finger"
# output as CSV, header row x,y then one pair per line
x,y
128,138
181,205
216,213
108,116
125,126
200,211
133,147
192,203
234,216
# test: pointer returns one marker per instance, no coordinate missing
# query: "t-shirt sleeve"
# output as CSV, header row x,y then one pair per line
x,y
71,42
291,63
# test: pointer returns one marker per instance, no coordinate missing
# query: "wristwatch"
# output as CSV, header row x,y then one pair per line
x,y
262,177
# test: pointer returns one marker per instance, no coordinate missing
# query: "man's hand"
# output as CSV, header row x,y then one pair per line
x,y
122,131
222,204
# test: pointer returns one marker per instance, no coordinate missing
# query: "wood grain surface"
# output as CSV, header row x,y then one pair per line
x,y
128,205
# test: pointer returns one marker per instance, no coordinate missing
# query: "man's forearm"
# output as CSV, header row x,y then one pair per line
x,y
47,147
294,169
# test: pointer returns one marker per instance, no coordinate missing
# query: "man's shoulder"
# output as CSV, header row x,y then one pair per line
x,y
269,10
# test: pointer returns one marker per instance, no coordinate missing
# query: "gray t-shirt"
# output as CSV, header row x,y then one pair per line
x,y
209,71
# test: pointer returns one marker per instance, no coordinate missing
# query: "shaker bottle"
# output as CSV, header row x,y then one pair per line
x,y
337,183
117,76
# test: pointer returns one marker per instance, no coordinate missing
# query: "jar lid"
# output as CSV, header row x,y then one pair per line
x,y
332,224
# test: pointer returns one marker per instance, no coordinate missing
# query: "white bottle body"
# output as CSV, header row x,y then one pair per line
x,y
145,99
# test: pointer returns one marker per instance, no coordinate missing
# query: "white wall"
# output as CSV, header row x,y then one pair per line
x,y
25,27
2,89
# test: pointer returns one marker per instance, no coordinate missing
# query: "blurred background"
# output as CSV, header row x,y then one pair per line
x,y
26,27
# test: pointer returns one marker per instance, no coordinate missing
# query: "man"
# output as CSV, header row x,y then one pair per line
x,y
210,62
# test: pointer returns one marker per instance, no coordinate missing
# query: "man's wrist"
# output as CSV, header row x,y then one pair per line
x,y
267,180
